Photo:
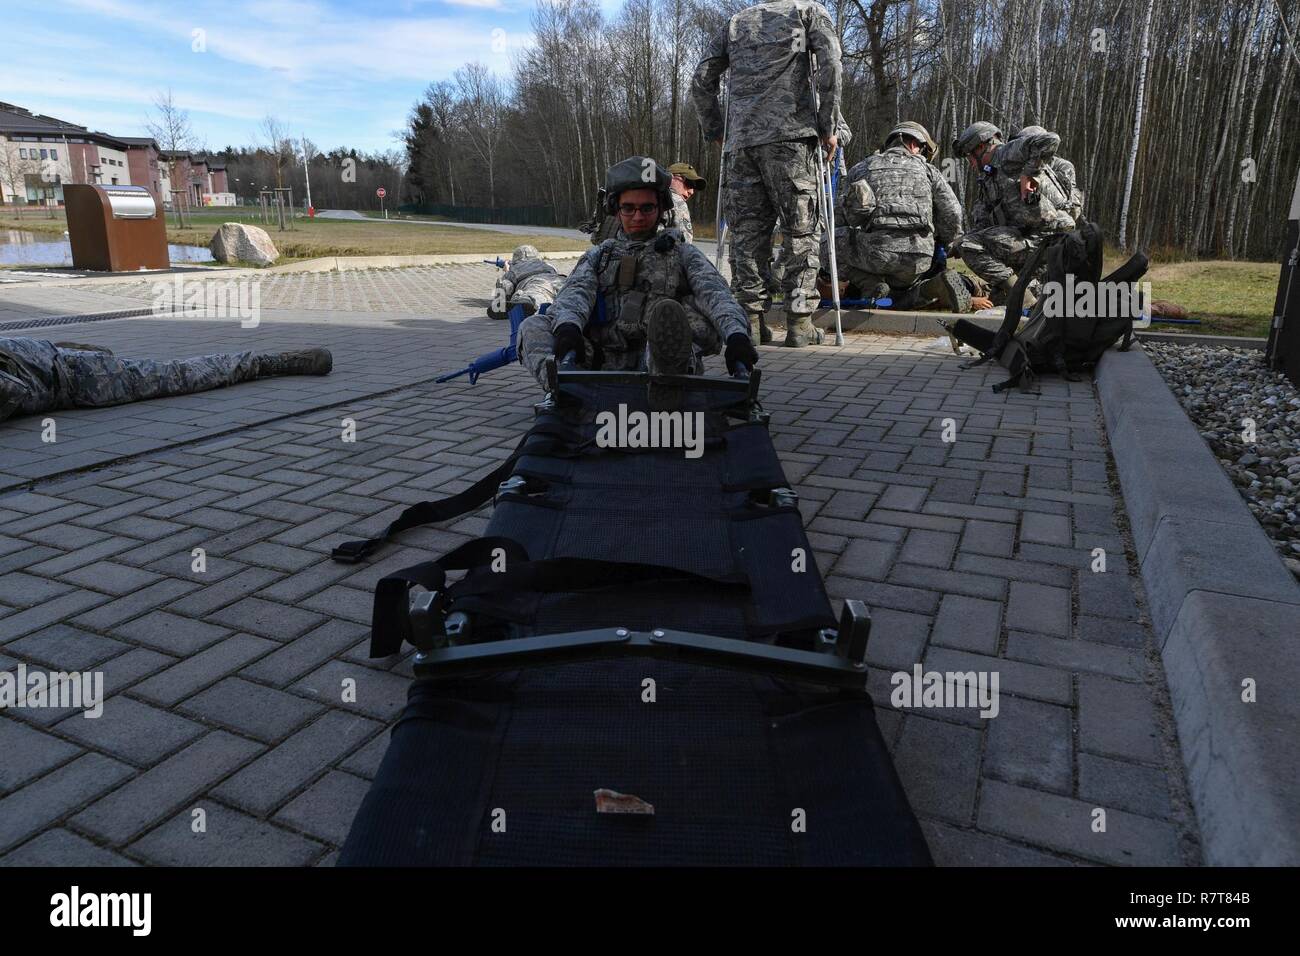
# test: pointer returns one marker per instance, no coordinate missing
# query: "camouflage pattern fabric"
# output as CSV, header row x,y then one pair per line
x,y
1007,228
897,206
532,283
996,254
680,272
679,218
770,98
764,183
38,376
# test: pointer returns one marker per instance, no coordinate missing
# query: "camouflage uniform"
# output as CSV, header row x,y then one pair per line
x,y
1058,179
896,206
773,133
39,376
1007,228
680,218
618,342
530,281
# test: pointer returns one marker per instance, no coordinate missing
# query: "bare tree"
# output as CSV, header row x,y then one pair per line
x,y
170,128
483,106
1137,126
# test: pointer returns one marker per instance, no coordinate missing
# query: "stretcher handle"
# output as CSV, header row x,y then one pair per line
x,y
570,359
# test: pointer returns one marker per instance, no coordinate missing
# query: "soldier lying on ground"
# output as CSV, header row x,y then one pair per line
x,y
643,300
39,376
530,281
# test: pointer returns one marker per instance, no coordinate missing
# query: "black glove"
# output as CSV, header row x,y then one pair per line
x,y
568,338
740,351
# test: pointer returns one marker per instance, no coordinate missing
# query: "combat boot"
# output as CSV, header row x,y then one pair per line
x,y
948,289
1002,292
302,362
669,351
759,333
800,331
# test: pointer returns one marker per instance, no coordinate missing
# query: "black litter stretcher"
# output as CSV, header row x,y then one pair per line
x,y
639,666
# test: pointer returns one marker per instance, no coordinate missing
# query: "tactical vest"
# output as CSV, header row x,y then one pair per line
x,y
627,283
904,199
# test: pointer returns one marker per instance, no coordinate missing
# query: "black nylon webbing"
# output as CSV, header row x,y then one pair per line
x,y
563,439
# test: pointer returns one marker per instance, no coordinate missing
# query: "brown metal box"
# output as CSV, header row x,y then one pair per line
x,y
114,228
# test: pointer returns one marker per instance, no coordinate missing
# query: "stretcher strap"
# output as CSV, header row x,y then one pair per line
x,y
562,440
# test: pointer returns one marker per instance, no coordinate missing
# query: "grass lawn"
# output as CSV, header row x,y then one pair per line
x,y
1230,298
311,238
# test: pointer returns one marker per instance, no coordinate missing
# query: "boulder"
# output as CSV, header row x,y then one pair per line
x,y
236,242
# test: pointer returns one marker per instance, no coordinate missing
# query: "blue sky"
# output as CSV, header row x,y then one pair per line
x,y
341,73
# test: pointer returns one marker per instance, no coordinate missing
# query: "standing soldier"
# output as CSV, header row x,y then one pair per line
x,y
1017,206
686,183
897,206
774,125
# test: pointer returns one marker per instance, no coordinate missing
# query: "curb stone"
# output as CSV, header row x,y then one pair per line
x,y
1223,608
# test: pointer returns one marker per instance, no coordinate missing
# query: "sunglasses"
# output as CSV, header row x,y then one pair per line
x,y
645,209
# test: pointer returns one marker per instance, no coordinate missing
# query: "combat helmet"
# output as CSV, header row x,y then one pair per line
x,y
917,132
631,173
524,252
972,136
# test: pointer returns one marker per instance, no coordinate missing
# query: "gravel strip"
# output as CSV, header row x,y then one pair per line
x,y
1220,389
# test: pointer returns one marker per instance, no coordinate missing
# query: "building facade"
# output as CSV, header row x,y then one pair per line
x,y
38,154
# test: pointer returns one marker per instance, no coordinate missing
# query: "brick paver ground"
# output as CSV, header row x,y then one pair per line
x,y
224,687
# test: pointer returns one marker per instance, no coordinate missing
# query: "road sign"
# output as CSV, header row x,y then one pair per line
x,y
381,192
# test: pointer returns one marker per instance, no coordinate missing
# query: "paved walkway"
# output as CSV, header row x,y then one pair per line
x,y
224,685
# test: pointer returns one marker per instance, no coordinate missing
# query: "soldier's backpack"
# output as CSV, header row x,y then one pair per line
x,y
1052,339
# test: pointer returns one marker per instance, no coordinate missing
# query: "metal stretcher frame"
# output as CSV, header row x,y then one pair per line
x,y
838,660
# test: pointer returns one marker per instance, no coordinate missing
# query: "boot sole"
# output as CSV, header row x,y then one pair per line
x,y
958,295
668,335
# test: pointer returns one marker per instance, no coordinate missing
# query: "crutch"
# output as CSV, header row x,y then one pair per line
x,y
826,201
719,222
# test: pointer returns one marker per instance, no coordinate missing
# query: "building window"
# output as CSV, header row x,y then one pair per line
x,y
114,180
54,154
22,153
45,154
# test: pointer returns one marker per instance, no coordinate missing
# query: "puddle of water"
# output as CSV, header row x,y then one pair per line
x,y
21,248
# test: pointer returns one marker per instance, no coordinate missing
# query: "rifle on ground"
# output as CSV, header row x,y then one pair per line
x,y
498,358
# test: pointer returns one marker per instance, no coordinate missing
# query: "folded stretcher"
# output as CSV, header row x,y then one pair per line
x,y
638,631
